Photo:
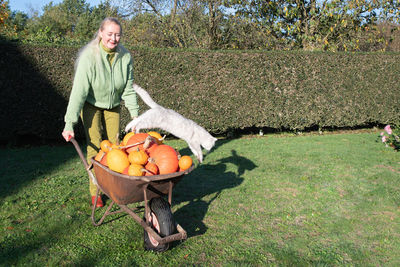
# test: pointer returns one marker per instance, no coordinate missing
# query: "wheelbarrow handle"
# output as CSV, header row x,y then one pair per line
x,y
87,167
79,150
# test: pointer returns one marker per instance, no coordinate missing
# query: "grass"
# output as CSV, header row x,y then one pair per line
x,y
321,200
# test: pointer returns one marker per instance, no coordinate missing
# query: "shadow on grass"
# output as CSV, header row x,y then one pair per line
x,y
20,167
34,248
203,186
35,106
21,240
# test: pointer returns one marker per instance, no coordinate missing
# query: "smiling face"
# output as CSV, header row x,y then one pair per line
x,y
110,35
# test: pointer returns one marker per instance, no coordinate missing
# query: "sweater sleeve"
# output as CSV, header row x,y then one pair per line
x,y
129,94
79,93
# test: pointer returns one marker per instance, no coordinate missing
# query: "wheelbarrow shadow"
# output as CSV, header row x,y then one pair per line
x,y
203,186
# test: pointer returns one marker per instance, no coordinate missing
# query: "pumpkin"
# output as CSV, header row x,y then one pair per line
x,y
157,136
126,138
185,162
139,137
117,160
126,170
166,159
135,170
100,155
138,157
151,168
115,146
103,160
105,145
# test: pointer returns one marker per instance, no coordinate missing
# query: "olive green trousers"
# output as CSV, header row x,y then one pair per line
x,y
99,124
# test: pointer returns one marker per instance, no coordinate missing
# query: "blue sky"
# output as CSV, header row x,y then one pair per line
x,y
26,5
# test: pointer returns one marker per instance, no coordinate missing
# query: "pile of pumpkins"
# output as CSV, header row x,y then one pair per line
x,y
142,154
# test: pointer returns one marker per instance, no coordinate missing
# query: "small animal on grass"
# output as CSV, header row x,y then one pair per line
x,y
172,122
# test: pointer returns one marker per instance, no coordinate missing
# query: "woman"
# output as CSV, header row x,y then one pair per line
x,y
103,76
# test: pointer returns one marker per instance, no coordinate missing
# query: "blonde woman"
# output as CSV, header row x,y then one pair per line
x,y
103,77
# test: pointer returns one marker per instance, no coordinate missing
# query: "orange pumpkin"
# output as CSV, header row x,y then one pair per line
x,y
185,162
138,157
139,137
156,136
103,161
151,168
100,155
126,138
166,159
115,146
151,148
117,160
105,145
136,170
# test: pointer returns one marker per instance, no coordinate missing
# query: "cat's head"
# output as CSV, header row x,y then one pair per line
x,y
208,143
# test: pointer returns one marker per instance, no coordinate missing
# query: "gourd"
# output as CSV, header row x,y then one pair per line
x,y
157,136
103,160
136,170
126,138
138,157
139,137
99,156
105,145
151,168
185,162
166,159
117,160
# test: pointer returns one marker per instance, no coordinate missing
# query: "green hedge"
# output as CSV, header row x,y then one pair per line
x,y
292,90
218,90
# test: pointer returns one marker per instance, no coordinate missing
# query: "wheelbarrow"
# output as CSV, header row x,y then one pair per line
x,y
160,228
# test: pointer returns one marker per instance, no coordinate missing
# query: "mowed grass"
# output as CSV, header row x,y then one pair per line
x,y
324,200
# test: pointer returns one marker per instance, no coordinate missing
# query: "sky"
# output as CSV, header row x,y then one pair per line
x,y
26,5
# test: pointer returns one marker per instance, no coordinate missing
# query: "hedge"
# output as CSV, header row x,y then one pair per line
x,y
220,90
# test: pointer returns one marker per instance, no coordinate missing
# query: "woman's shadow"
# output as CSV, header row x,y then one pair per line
x,y
204,185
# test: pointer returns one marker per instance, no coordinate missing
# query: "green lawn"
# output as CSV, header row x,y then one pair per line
x,y
323,200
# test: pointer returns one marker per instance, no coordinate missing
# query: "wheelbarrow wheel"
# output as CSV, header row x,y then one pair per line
x,y
162,222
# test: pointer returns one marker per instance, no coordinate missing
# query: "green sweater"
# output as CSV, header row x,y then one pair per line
x,y
101,84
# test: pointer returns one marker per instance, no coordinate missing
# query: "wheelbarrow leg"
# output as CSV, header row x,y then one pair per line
x,y
146,204
107,212
170,193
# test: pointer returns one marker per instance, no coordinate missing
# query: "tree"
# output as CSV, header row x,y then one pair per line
x,y
19,20
315,25
58,22
215,16
71,21
129,8
4,14
4,11
88,23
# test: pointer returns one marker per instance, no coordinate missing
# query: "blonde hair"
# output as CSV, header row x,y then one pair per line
x,y
94,43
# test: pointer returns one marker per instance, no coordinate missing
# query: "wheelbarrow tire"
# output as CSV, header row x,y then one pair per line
x,y
162,211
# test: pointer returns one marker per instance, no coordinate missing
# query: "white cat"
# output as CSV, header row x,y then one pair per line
x,y
172,122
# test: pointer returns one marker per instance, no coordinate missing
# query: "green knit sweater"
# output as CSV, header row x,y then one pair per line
x,y
100,83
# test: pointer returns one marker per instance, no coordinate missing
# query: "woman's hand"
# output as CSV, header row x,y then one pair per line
x,y
68,135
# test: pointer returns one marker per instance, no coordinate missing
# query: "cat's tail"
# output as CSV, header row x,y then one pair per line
x,y
145,96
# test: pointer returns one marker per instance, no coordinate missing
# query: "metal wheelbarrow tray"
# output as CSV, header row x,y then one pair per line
x,y
123,189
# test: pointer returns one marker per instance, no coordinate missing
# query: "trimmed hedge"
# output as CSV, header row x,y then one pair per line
x,y
218,90
34,84
292,90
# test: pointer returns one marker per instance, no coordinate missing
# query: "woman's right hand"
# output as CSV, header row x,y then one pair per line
x,y
68,135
